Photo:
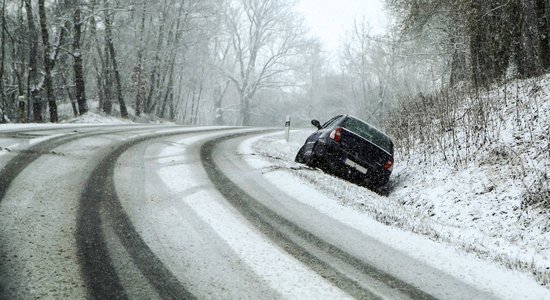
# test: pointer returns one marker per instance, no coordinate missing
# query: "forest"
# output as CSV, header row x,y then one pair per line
x,y
252,62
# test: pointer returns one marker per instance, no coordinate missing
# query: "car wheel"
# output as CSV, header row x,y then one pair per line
x,y
379,182
312,160
300,156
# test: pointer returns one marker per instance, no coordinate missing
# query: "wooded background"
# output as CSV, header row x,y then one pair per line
x,y
251,62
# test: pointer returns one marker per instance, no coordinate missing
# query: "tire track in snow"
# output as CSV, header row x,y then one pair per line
x,y
17,164
297,241
27,156
100,196
11,170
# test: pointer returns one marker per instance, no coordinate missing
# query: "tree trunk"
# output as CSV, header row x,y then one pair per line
x,y
245,109
151,101
112,54
218,110
458,58
172,109
107,82
140,90
193,94
196,113
32,79
80,89
98,62
69,95
490,34
48,62
530,58
167,98
173,55
19,67
2,60
546,29
160,98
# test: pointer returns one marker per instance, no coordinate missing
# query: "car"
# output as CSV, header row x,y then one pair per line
x,y
351,148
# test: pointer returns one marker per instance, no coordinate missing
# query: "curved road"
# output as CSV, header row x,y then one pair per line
x,y
168,212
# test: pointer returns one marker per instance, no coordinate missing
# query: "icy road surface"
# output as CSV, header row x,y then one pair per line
x,y
167,212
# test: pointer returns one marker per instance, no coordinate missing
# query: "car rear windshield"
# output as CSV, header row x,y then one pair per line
x,y
369,133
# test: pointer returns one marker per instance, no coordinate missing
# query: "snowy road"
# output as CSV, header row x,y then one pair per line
x,y
166,212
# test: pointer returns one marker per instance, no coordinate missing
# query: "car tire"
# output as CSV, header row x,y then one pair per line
x,y
300,156
380,182
312,160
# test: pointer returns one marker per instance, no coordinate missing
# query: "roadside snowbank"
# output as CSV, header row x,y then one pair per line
x,y
97,118
476,210
476,178
482,172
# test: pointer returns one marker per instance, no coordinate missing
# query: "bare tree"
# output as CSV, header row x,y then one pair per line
x,y
530,41
33,84
138,76
183,13
19,65
357,59
151,102
498,34
99,63
2,60
80,86
265,37
49,62
112,54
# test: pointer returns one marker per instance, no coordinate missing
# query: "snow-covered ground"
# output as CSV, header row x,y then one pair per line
x,y
453,228
188,200
484,184
478,209
491,201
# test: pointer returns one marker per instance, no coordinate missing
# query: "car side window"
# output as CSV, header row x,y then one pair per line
x,y
329,122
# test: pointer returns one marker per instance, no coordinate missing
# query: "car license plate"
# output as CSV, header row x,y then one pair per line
x,y
355,165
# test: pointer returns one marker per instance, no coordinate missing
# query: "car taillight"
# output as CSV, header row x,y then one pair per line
x,y
389,165
336,134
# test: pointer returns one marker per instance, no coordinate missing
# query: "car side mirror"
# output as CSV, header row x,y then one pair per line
x,y
316,123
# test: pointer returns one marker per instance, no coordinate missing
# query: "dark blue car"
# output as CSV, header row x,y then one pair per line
x,y
351,148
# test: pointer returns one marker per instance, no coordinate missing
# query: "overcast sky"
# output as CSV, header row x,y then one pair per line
x,y
330,19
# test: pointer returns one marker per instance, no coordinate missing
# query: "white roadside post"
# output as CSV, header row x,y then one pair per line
x,y
287,128
22,105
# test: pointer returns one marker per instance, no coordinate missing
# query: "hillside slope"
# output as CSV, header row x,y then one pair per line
x,y
479,168
476,180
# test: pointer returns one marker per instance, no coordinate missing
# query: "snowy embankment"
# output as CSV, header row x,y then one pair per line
x,y
493,206
396,223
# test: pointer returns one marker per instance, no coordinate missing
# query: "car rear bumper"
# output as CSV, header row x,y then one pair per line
x,y
334,159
